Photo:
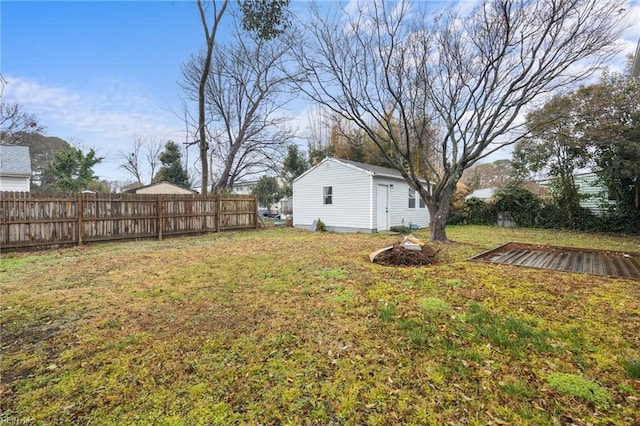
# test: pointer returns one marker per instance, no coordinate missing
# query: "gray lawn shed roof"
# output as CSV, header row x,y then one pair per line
x,y
376,170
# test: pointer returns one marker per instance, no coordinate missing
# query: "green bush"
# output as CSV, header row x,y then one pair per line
x,y
473,212
529,210
320,226
553,215
519,204
480,212
621,217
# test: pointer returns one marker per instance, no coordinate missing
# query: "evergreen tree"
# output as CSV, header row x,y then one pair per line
x,y
172,170
71,170
294,165
267,191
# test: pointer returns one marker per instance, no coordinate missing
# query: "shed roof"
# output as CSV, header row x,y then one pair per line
x,y
368,168
482,194
15,160
376,170
163,183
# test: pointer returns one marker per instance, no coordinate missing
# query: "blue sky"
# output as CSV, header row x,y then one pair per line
x,y
98,72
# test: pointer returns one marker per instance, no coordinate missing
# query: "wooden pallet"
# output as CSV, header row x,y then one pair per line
x,y
569,259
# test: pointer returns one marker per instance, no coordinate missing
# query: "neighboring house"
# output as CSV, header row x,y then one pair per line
x,y
279,209
243,188
591,188
160,188
355,197
15,168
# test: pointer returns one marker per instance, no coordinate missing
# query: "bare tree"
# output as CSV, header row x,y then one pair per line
x,y
134,163
152,155
210,37
318,134
266,18
488,175
244,98
131,160
14,121
399,75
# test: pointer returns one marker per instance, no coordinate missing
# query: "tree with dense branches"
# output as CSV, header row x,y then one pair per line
x,y
436,96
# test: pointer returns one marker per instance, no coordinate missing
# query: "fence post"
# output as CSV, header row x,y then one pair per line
x,y
218,205
160,219
256,215
80,209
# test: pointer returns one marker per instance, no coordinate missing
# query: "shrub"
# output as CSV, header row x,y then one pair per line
x,y
620,217
473,212
401,229
554,215
480,212
320,226
519,204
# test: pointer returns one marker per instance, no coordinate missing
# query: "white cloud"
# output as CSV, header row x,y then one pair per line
x,y
105,117
112,110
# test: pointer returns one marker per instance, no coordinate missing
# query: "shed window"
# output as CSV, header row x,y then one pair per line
x,y
412,198
327,193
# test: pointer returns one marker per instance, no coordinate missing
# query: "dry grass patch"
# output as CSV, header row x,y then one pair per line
x,y
290,327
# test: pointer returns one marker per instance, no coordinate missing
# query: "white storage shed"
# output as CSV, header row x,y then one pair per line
x,y
355,197
15,168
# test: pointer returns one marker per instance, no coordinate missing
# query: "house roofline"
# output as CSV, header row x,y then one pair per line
x,y
133,190
352,166
9,174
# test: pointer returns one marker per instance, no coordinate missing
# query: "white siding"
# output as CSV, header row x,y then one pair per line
x,y
14,183
351,207
399,212
588,185
354,199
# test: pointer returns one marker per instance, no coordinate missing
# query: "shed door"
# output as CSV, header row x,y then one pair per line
x,y
383,208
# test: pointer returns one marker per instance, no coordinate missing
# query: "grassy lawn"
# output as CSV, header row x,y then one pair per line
x,y
288,327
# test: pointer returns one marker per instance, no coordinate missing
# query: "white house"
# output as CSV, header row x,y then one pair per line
x,y
15,168
355,197
244,188
590,188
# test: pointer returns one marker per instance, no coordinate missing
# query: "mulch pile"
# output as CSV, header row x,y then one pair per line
x,y
400,256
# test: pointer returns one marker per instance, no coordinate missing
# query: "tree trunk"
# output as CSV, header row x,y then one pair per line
x,y
438,216
439,205
202,132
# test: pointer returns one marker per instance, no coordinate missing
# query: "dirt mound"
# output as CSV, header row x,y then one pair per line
x,y
400,256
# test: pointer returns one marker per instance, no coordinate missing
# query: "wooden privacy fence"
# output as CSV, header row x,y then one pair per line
x,y
44,220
